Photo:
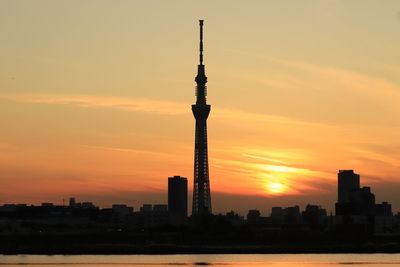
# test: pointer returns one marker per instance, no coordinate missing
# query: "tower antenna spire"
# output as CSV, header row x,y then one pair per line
x,y
201,22
201,186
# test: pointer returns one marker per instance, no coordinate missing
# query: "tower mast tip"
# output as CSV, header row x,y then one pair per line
x,y
201,41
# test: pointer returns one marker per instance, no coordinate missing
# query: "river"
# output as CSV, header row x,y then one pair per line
x,y
275,260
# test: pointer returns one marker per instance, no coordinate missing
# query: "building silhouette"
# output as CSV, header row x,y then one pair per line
x,y
348,182
253,216
177,199
150,216
146,208
72,202
201,190
352,199
315,216
121,210
287,215
383,209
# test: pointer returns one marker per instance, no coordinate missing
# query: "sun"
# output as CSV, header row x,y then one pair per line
x,y
276,188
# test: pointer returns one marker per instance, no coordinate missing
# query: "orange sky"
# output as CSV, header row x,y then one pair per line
x,y
96,99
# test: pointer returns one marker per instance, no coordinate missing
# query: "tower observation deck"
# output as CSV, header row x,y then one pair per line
x,y
201,190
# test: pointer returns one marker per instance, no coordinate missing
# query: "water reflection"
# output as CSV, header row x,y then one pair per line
x,y
275,260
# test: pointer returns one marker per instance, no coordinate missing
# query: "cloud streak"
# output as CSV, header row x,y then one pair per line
x,y
130,104
375,88
129,150
145,105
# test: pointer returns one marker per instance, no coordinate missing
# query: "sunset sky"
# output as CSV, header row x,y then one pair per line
x,y
96,98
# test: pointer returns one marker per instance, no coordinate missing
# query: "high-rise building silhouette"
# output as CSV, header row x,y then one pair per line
x,y
353,199
177,199
201,190
348,182
72,202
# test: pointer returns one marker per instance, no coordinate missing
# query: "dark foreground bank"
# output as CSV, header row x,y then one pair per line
x,y
124,243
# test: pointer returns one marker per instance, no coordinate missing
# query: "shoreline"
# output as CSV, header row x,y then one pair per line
x,y
163,250
177,243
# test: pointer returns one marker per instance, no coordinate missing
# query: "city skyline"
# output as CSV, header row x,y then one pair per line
x,y
109,123
353,202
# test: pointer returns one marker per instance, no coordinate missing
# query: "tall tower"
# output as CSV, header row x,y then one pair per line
x,y
201,190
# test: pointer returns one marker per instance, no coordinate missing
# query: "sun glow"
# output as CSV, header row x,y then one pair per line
x,y
276,188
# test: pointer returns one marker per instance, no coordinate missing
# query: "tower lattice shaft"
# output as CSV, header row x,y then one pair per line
x,y
201,190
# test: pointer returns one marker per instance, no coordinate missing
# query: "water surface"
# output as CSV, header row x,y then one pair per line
x,y
275,260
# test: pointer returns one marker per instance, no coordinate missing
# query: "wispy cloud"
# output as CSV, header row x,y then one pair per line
x,y
376,88
260,176
244,115
129,150
130,104
144,105
265,158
